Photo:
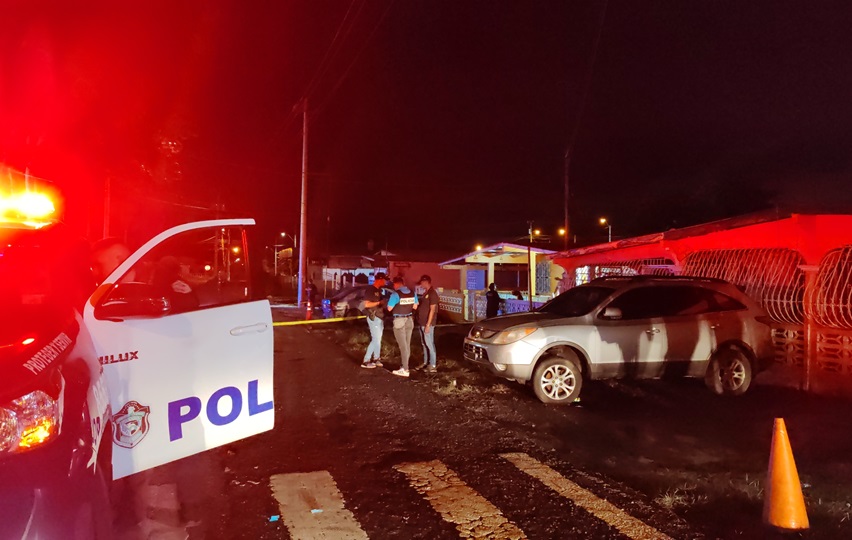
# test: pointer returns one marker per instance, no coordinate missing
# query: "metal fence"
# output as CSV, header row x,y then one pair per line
x,y
828,301
772,277
811,306
634,267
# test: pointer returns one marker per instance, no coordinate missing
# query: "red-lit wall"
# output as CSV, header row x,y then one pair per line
x,y
811,235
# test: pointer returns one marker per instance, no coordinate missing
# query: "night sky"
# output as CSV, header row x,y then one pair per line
x,y
435,124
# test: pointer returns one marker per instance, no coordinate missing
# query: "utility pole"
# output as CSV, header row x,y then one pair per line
x,y
530,265
567,196
304,206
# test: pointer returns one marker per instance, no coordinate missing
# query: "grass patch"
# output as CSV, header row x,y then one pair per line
x,y
686,495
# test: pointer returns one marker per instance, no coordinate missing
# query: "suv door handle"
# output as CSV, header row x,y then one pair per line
x,y
252,329
652,331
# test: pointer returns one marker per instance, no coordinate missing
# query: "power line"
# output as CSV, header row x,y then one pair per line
x,y
322,69
355,58
587,83
331,52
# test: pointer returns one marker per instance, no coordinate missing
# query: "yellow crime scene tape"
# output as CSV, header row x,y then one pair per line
x,y
317,321
336,319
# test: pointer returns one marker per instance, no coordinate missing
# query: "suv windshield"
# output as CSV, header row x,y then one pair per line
x,y
577,302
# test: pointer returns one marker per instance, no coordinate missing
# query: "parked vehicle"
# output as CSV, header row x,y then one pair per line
x,y
96,386
629,327
349,302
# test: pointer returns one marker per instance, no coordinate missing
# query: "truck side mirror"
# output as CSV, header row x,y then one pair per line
x,y
132,301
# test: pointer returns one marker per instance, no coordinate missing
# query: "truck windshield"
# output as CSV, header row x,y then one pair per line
x,y
40,284
577,302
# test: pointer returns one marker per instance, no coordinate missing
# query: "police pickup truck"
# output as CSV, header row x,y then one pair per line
x,y
170,356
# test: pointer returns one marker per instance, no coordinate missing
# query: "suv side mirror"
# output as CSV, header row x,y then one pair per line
x,y
611,314
132,301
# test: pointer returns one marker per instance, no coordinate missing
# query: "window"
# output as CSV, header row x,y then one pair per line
x,y
577,302
44,276
723,302
672,301
197,269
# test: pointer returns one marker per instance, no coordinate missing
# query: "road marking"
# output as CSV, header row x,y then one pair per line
x,y
312,507
459,504
603,510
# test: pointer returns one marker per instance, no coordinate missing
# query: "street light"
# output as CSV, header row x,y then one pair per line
x,y
478,247
608,226
276,246
295,242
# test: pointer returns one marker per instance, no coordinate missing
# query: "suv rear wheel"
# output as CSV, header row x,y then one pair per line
x,y
729,372
557,380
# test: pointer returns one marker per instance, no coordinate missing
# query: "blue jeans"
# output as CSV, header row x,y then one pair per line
x,y
374,349
430,355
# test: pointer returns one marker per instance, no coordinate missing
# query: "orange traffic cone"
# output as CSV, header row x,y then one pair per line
x,y
309,313
783,503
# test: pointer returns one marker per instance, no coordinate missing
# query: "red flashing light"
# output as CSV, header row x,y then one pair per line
x,y
28,206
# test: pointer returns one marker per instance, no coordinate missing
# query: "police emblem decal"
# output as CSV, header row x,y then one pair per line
x,y
130,424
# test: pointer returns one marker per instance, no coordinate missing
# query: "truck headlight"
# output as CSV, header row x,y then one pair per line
x,y
512,335
29,421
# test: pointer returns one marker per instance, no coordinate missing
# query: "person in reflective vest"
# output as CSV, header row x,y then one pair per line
x,y
402,304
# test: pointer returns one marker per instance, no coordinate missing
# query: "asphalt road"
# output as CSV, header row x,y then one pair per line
x,y
363,454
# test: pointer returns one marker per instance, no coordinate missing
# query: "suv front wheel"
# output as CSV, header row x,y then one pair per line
x,y
557,380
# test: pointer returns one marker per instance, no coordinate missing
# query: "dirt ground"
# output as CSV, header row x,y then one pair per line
x,y
701,456
669,453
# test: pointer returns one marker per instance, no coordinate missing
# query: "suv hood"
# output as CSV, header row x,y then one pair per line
x,y
22,368
517,319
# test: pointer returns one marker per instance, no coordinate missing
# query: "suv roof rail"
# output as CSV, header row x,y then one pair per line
x,y
659,278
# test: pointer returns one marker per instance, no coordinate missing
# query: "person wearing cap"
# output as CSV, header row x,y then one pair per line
x,y
373,311
402,305
427,314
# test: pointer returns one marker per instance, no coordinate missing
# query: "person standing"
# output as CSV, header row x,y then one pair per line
x,y
107,254
492,301
402,304
375,323
427,315
312,291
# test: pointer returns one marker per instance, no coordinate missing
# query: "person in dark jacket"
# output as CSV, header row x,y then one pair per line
x,y
373,311
427,317
492,301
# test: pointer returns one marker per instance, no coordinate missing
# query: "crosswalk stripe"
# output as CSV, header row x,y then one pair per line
x,y
312,507
459,504
603,510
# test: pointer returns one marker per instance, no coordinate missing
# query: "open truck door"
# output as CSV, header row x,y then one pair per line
x,y
186,350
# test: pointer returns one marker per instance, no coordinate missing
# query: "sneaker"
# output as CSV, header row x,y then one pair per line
x,y
432,369
377,363
401,372
368,365
418,368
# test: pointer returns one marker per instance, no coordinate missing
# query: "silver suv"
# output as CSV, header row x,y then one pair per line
x,y
629,327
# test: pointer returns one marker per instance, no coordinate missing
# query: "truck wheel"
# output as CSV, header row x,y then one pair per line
x,y
729,372
557,380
